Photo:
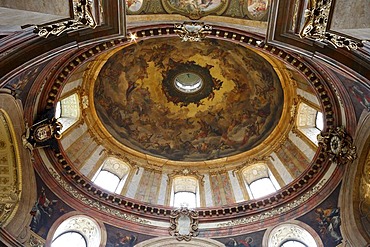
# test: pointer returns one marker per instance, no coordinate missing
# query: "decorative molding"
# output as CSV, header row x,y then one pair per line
x,y
187,172
317,15
83,17
179,219
35,240
192,31
276,211
93,203
337,144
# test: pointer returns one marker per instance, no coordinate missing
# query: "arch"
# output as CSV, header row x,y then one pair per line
x,y
293,230
93,231
20,194
172,242
353,199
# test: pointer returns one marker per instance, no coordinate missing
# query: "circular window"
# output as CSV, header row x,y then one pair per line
x,y
188,82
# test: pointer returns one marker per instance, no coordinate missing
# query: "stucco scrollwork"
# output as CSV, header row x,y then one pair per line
x,y
83,17
184,224
337,144
317,15
276,211
192,31
95,204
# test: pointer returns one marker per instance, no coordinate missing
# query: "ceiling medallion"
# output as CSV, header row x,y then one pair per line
x,y
192,31
83,17
186,83
184,224
317,15
338,145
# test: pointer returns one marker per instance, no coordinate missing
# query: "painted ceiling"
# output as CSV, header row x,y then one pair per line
x,y
238,106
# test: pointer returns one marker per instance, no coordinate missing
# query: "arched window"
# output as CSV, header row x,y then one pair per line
x,y
259,181
71,238
79,231
292,235
112,175
68,111
310,122
185,192
293,243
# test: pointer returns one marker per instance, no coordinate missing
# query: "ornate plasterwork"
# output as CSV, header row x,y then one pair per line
x,y
277,211
35,240
83,17
184,224
338,145
192,31
317,15
187,172
9,172
95,204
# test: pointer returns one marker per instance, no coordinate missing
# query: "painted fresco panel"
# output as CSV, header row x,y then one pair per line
x,y
119,237
216,190
46,210
246,240
325,219
131,102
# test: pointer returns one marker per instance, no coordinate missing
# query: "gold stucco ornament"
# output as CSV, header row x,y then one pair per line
x,y
337,144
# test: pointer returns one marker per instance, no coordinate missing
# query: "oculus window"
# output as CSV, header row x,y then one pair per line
x,y
77,231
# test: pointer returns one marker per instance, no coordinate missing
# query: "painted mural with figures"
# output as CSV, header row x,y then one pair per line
x,y
242,106
196,9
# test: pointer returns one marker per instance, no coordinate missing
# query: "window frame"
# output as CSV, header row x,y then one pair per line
x,y
66,232
76,120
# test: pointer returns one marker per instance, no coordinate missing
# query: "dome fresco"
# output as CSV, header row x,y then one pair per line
x,y
237,106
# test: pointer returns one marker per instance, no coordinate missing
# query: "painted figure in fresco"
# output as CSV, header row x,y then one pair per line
x,y
41,211
329,223
257,7
125,241
361,97
241,243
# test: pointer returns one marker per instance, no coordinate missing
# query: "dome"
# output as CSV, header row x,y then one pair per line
x,y
184,123
141,99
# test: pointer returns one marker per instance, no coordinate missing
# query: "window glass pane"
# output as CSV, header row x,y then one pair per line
x,y
293,243
58,110
262,187
319,121
107,181
69,239
184,199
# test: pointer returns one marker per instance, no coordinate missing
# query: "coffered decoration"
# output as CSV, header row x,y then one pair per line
x,y
338,145
184,224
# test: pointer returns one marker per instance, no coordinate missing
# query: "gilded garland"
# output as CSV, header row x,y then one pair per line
x,y
338,145
83,17
317,15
